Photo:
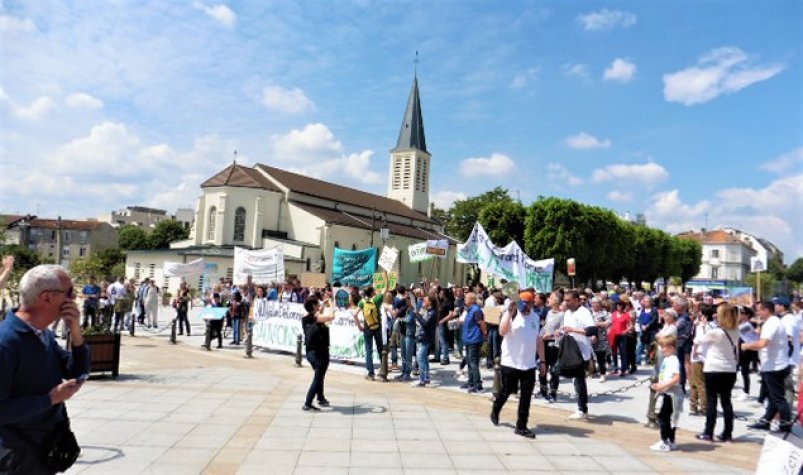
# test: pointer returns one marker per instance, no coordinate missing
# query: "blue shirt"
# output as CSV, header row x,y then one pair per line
x,y
472,333
29,368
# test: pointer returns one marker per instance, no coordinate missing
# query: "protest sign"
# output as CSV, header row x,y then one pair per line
x,y
282,325
509,262
354,267
418,252
388,258
177,269
438,247
379,281
315,280
263,265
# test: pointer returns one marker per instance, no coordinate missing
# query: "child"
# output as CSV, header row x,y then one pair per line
x,y
668,394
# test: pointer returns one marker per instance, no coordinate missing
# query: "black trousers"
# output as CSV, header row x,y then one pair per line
x,y
513,379
665,419
718,386
774,381
319,360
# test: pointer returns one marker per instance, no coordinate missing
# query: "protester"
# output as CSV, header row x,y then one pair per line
x,y
36,375
427,320
474,333
669,395
576,320
522,348
721,359
773,346
316,339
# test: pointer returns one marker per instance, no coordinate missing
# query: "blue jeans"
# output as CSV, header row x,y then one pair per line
x,y
372,336
443,337
423,361
408,343
235,330
473,358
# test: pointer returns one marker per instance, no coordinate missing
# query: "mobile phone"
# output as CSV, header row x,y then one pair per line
x,y
82,378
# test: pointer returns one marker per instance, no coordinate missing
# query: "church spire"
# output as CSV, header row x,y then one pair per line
x,y
411,135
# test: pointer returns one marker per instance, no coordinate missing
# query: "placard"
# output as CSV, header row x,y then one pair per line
x,y
315,280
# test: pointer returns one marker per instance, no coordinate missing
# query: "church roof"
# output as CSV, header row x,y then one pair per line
x,y
240,176
334,216
411,135
341,194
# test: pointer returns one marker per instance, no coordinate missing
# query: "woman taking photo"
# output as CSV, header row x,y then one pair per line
x,y
719,370
316,339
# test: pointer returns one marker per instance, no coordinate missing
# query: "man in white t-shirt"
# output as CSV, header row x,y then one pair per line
x,y
521,350
576,319
773,346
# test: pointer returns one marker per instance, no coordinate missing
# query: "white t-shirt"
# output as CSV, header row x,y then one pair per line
x,y
792,327
520,346
580,318
774,356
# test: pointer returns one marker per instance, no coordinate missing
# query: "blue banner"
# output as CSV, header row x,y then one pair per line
x,y
354,267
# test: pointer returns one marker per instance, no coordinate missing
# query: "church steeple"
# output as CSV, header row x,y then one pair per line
x,y
411,136
409,162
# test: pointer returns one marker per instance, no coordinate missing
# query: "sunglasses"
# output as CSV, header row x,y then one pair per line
x,y
69,293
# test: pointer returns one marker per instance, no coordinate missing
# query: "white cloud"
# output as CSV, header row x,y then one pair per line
x,y
83,100
444,199
558,175
11,24
496,165
219,12
522,79
620,70
584,141
577,70
288,101
720,71
620,196
788,162
648,174
315,142
607,20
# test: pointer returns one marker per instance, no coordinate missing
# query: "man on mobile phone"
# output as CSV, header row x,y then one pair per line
x,y
36,374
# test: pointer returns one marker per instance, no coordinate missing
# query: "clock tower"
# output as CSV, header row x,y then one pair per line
x,y
409,160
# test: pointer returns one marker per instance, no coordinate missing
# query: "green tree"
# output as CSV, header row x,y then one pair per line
x,y
464,213
503,221
795,271
166,232
132,237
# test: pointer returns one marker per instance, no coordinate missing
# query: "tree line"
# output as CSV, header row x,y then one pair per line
x,y
605,247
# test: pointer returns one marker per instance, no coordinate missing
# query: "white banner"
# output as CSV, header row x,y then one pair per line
x,y
438,247
177,269
280,324
388,258
508,262
418,252
263,265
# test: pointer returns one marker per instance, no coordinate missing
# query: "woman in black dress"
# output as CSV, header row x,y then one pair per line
x,y
316,338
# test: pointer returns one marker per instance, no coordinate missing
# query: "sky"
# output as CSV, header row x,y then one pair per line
x,y
690,112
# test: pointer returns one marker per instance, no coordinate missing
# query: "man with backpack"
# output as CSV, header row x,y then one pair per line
x,y
372,332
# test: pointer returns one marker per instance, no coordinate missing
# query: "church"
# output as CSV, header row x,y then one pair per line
x,y
261,207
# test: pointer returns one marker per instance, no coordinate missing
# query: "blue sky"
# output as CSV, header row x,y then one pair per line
x,y
684,111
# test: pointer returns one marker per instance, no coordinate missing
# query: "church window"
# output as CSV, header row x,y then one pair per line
x,y
239,224
210,225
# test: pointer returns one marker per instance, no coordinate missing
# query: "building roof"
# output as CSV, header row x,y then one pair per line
x,y
341,194
411,135
333,216
242,177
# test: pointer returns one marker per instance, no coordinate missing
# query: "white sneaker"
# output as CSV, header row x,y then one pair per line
x,y
743,397
660,446
602,379
579,415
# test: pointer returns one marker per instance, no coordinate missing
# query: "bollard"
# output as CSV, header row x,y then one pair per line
x,y
497,385
249,341
383,367
208,337
173,331
298,350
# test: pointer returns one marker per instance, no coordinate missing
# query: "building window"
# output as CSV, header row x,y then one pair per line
x,y
151,270
714,253
210,224
239,224
715,272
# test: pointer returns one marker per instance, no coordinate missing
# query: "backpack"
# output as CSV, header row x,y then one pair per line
x,y
570,358
371,314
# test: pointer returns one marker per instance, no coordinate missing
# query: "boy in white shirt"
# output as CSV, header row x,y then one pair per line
x,y
669,394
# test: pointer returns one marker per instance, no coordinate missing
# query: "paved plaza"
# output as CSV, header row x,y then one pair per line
x,y
179,409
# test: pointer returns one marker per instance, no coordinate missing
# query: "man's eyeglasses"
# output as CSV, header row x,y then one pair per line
x,y
69,293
